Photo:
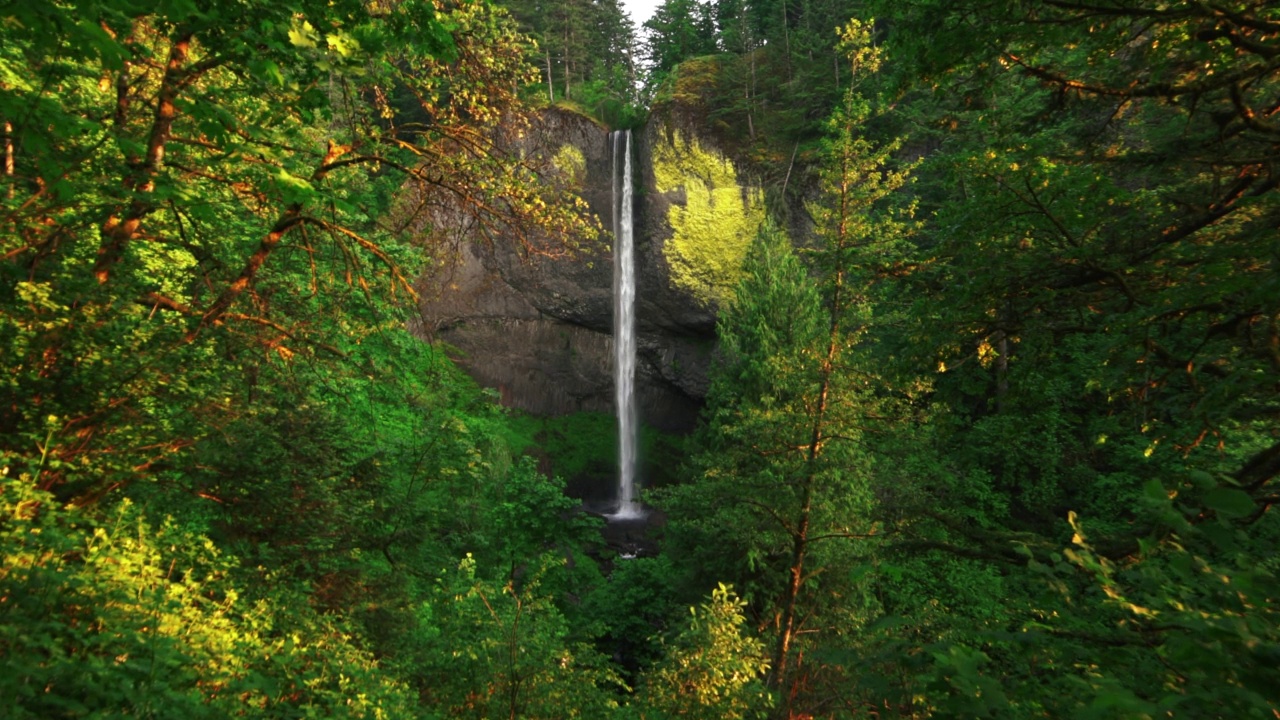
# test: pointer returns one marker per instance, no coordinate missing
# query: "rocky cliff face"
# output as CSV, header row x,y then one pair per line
x,y
540,330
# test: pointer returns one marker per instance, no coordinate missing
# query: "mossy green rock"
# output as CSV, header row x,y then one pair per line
x,y
713,228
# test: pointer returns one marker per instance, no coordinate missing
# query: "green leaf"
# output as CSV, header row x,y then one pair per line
x,y
1155,491
293,188
269,70
302,35
1229,502
100,41
343,44
1201,479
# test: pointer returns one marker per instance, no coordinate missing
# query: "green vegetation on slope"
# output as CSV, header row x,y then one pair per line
x,y
999,441
1059,373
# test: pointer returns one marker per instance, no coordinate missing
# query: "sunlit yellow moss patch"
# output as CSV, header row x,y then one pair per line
x,y
712,231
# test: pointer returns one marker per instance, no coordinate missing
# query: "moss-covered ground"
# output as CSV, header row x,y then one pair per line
x,y
582,447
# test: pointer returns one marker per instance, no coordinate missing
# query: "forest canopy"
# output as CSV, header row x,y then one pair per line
x,y
992,430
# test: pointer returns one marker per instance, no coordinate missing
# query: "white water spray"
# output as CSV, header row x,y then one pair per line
x,y
624,336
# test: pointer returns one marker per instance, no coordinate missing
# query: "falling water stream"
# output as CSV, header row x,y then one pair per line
x,y
624,320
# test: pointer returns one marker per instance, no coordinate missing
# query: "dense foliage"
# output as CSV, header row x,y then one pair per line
x,y
996,438
585,55
233,483
1069,422
768,75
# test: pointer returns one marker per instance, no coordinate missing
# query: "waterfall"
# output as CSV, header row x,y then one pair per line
x,y
624,335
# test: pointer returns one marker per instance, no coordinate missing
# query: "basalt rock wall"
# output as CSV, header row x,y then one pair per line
x,y
539,330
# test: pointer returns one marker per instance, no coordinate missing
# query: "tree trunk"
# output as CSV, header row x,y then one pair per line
x,y
8,156
551,81
817,437
786,623
117,231
566,61
786,41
